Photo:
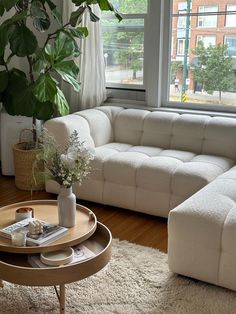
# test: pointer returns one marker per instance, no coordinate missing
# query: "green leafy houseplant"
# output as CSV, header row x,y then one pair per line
x,y
35,92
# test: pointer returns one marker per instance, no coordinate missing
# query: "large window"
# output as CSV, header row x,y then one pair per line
x,y
207,20
180,46
206,72
175,53
231,16
230,41
124,44
206,40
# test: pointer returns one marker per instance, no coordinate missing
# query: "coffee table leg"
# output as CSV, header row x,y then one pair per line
x,y
62,299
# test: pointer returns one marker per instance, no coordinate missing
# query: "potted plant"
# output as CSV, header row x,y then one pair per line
x,y
34,91
65,165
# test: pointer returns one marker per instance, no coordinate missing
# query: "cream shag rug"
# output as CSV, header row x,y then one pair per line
x,y
137,280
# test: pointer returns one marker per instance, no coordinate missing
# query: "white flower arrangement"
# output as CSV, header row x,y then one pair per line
x,y
66,165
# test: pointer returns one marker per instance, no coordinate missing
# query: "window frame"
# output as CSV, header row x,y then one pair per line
x,y
204,36
203,17
158,42
234,36
119,86
178,53
165,88
227,15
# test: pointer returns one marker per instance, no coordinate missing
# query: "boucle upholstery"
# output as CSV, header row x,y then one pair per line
x,y
148,161
202,233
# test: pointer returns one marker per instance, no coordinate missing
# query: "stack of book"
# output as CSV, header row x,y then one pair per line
x,y
50,232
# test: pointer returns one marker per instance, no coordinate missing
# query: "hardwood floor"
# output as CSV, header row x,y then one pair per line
x,y
124,224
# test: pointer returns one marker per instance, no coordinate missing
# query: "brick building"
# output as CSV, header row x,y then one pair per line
x,y
212,22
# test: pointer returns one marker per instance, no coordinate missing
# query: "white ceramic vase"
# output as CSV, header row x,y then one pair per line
x,y
66,207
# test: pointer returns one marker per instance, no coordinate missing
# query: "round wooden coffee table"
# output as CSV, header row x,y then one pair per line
x,y
14,266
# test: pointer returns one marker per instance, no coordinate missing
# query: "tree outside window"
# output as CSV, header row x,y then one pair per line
x,y
213,69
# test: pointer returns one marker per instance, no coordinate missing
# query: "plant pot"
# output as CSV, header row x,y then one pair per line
x,y
23,163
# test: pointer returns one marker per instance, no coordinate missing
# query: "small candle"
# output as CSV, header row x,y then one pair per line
x,y
18,239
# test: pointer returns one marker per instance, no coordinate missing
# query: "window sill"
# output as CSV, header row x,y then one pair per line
x,y
132,104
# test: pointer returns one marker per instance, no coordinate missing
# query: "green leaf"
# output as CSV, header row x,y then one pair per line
x,y
79,32
104,5
51,5
8,4
24,102
117,14
93,17
3,39
41,64
60,103
3,80
49,53
44,110
37,10
78,2
6,31
17,17
45,88
76,16
23,42
69,71
17,83
41,24
2,9
64,47
57,16
41,20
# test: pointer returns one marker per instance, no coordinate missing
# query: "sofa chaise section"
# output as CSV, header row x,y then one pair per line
x,y
202,232
148,161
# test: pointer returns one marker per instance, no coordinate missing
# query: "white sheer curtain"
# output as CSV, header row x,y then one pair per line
x,y
91,63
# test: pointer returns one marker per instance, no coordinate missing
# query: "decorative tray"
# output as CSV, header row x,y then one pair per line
x,y
86,224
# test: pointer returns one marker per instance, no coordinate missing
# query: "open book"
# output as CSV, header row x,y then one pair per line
x,y
50,232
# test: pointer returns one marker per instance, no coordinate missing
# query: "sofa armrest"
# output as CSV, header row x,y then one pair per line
x,y
101,123
61,128
94,126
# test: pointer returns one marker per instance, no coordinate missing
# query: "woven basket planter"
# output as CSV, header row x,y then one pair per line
x,y
23,162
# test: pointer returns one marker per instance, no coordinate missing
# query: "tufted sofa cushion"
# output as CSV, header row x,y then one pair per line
x,y
196,133
149,161
201,233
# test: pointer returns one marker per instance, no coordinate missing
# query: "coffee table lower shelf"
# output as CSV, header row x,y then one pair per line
x,y
15,268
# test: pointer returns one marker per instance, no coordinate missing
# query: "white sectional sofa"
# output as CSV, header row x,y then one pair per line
x,y
148,161
159,162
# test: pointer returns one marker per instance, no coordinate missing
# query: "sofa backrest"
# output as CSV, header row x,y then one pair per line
x,y
101,122
200,134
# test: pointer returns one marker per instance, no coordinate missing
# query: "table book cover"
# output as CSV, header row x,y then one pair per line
x,y
50,232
